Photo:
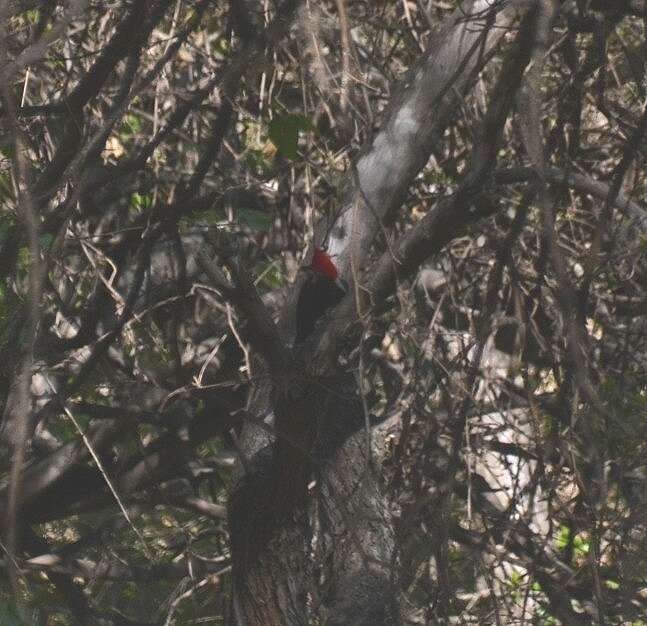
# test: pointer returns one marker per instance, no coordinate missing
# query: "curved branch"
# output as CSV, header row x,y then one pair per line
x,y
578,182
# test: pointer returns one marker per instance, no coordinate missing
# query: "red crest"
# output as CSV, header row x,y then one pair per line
x,y
323,264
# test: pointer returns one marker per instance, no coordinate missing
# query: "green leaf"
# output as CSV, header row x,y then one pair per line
x,y
256,220
284,133
581,543
23,259
515,580
140,201
563,537
582,546
131,125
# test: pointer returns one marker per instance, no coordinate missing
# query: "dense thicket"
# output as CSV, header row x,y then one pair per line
x,y
463,440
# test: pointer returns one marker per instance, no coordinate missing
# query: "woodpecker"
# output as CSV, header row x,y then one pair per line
x,y
321,291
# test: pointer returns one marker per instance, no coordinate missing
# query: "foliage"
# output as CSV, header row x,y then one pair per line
x,y
512,366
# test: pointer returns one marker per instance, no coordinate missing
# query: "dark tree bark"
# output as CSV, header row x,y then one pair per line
x,y
347,529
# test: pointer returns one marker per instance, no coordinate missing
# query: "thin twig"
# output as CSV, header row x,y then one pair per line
x,y
102,469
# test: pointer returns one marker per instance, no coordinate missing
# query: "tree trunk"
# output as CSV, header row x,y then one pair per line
x,y
330,557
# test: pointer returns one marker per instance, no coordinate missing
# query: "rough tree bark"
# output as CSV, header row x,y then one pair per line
x,y
329,555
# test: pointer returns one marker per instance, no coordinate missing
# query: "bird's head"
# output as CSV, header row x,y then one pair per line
x,y
323,264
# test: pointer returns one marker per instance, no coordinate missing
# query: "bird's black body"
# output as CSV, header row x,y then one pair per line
x,y
318,294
